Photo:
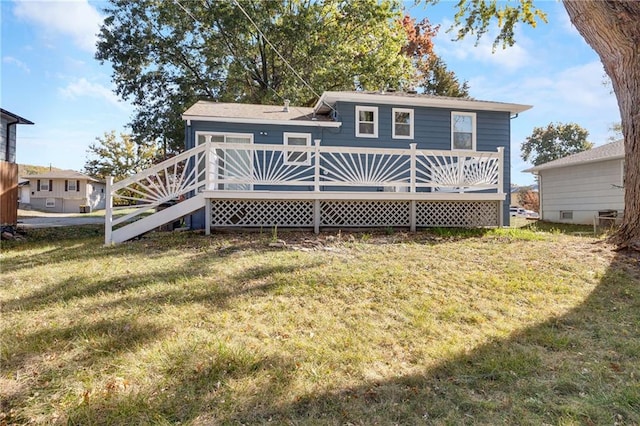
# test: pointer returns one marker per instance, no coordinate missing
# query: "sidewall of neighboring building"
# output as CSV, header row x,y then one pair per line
x,y
97,196
576,194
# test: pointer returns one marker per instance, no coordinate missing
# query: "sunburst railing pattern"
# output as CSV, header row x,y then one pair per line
x,y
218,166
245,166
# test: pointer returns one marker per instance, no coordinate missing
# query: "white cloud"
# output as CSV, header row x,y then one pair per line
x,y
511,59
85,88
17,62
75,18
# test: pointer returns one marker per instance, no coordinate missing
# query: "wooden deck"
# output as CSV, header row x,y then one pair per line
x,y
316,186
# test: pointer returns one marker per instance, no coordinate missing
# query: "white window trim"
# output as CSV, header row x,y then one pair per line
x,y
208,135
214,166
375,121
474,129
44,185
286,136
393,120
75,187
50,202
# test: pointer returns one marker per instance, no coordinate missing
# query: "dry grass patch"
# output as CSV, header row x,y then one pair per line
x,y
441,327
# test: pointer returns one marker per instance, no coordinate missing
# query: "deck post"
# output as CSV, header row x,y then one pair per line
x,y
207,216
316,216
500,169
316,174
412,168
207,166
412,216
108,213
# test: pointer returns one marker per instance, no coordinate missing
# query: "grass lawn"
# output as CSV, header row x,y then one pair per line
x,y
510,326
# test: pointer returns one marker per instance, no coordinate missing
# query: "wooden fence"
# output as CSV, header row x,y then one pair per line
x,y
8,193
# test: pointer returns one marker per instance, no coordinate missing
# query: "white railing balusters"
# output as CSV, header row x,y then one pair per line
x,y
217,166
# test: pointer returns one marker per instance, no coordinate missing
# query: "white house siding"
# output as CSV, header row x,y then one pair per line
x,y
97,197
583,189
64,201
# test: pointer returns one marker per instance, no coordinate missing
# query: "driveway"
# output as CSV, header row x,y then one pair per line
x,y
29,219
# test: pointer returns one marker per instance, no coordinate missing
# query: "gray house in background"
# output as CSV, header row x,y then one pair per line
x,y
576,188
355,159
65,191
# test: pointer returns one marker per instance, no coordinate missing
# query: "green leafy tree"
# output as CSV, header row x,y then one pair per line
x,y
168,54
118,157
554,141
612,29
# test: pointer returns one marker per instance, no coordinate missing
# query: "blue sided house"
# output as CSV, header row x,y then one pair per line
x,y
355,159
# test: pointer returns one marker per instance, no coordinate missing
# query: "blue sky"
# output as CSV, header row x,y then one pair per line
x,y
49,76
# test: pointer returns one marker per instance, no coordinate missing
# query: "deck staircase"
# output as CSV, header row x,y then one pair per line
x,y
156,220
177,183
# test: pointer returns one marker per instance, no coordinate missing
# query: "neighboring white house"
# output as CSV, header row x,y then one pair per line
x,y
576,188
65,191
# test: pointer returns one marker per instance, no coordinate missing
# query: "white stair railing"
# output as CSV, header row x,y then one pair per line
x,y
165,183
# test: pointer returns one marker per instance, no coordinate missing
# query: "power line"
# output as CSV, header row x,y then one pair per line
x,y
188,12
275,50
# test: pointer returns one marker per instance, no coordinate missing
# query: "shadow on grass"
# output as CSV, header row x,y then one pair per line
x,y
216,292
580,368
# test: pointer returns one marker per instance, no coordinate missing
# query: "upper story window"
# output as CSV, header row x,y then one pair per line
x,y
72,185
366,122
463,130
297,158
44,185
402,123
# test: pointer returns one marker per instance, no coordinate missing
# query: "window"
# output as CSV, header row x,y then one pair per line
x,y
463,130
50,202
44,185
366,122
72,185
402,123
296,157
231,164
566,215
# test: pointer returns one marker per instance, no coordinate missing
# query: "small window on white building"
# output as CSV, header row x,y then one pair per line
x,y
366,122
50,202
297,158
72,185
44,185
402,123
566,215
463,131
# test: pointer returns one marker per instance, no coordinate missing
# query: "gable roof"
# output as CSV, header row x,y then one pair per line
x,y
61,174
610,151
328,99
253,113
19,119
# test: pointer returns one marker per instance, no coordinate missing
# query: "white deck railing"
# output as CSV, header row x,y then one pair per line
x,y
216,166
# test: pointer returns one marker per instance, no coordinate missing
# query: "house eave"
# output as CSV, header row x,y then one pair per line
x,y
538,169
328,99
301,123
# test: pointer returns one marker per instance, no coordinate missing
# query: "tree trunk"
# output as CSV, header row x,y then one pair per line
x,y
612,29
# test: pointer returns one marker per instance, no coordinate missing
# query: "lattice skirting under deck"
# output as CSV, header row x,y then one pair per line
x,y
360,213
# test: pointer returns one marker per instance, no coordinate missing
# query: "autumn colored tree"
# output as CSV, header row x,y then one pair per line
x,y
529,200
431,73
